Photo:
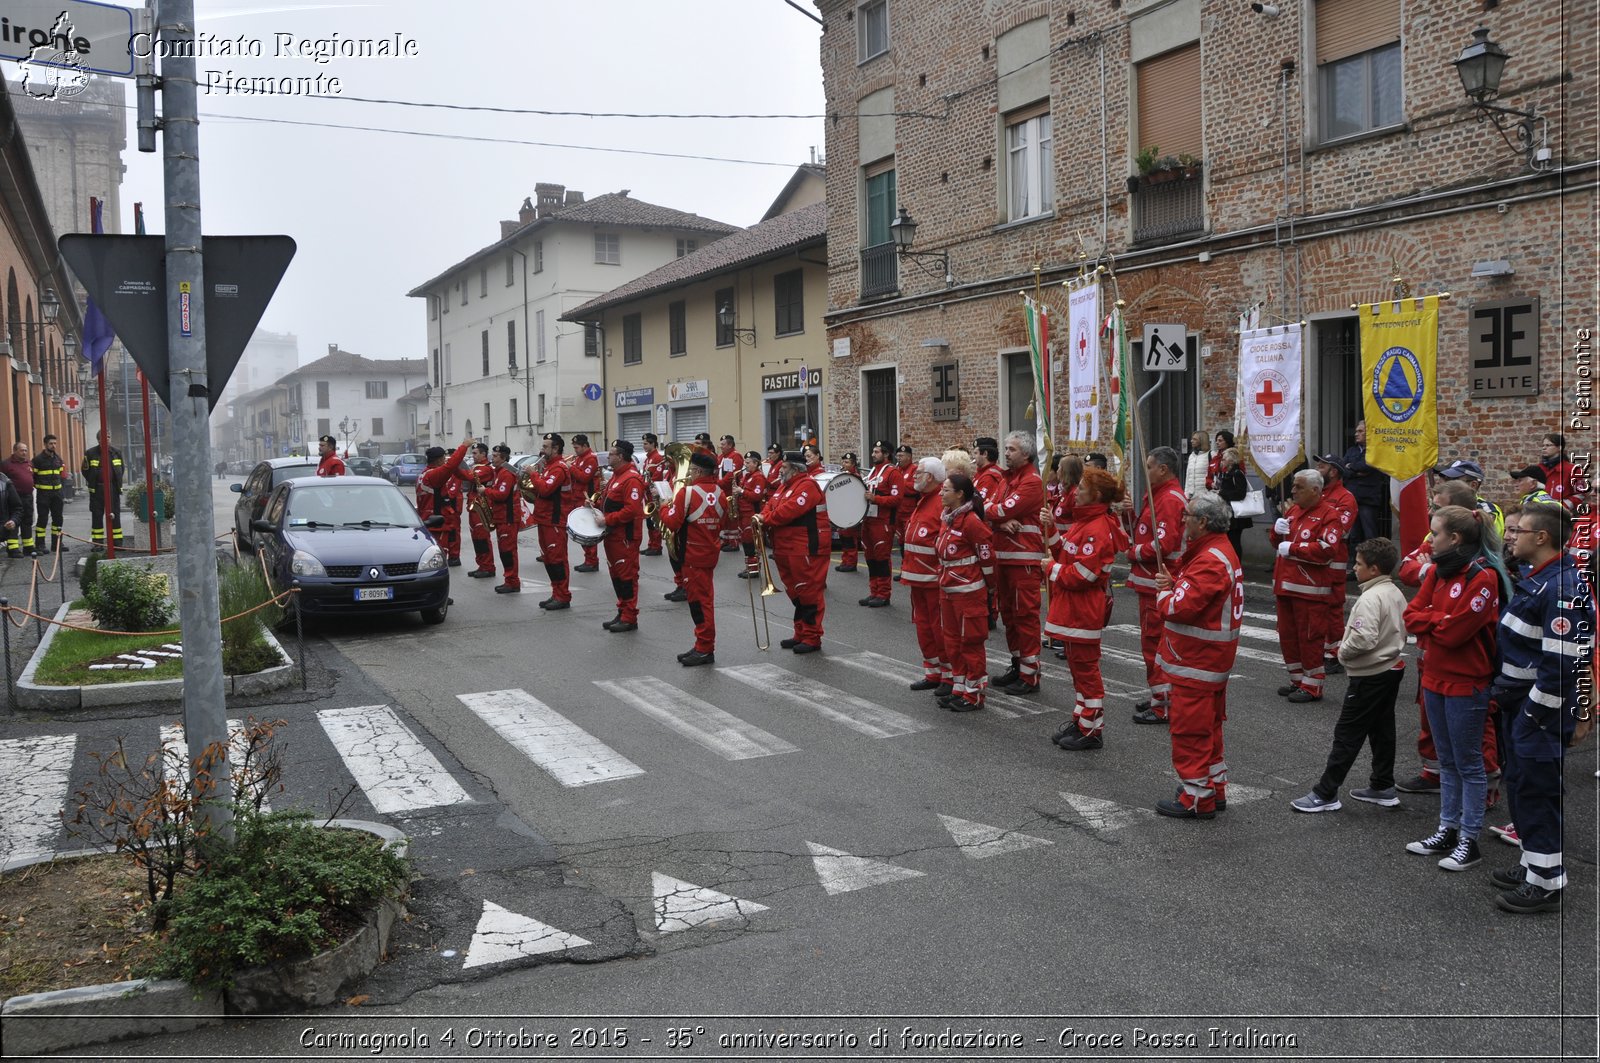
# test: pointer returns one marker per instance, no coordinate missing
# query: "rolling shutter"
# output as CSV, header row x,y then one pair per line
x,y
632,427
688,422
1169,102
1350,27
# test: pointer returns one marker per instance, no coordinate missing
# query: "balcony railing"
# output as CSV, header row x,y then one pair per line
x,y
1164,209
880,271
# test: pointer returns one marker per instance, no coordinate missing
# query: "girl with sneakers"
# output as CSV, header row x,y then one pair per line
x,y
1454,617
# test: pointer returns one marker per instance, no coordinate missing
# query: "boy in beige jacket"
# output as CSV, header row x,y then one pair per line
x,y
1374,639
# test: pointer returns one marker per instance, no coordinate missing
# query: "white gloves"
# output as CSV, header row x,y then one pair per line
x,y
1281,525
1283,549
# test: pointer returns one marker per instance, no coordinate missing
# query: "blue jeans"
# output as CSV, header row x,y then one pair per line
x,y
1457,725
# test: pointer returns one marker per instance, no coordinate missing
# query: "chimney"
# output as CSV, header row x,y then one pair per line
x,y
549,197
509,227
574,197
333,348
525,213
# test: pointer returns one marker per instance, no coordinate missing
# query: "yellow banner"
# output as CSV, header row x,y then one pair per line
x,y
1399,358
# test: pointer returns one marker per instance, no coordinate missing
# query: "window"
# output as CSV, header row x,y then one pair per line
x,y
677,338
484,336
724,297
880,205
513,411
872,29
483,283
486,425
608,249
433,308
1358,66
789,301
1030,176
449,422
632,349
880,270
444,302
687,247
461,286
511,344
538,326
323,402
511,270
436,367
591,340
377,389
377,427
538,256
447,373
540,421
1169,103
324,426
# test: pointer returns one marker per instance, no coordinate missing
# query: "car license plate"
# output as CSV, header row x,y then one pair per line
x,y
374,594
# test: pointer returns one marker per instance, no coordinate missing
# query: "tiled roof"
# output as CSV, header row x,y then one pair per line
x,y
770,239
349,363
614,208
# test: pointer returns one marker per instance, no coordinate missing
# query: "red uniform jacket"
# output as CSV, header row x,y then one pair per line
x,y
798,520
656,467
583,472
500,488
990,482
753,494
1562,481
1456,622
1200,615
1080,581
884,501
1166,531
908,495
966,555
624,505
553,488
1062,514
1345,512
921,562
1416,565
331,466
695,517
438,489
1020,498
1314,538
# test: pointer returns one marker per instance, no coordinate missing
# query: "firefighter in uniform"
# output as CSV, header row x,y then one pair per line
x,y
1347,512
921,571
1157,537
966,568
500,490
795,521
1018,546
656,470
749,493
18,468
472,480
1305,537
1080,602
584,471
439,492
695,517
331,464
91,470
47,470
624,513
553,490
885,487
1201,606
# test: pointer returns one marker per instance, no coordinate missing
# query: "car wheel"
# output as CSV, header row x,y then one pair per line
x,y
436,616
243,543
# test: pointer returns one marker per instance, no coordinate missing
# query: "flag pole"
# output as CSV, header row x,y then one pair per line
x,y
149,452
107,540
1136,434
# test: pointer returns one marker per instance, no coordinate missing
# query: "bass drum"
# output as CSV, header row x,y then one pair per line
x,y
585,526
846,495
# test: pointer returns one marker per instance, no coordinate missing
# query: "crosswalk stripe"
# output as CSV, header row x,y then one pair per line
x,y
388,761
995,702
856,713
1246,652
1000,661
699,721
36,771
175,751
567,753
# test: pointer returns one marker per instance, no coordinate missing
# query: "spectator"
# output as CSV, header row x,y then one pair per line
x,y
1562,478
1527,484
1098,461
1232,485
1224,444
1196,470
1471,474
1371,650
1369,486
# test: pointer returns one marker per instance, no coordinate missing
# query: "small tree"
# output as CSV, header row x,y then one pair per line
x,y
124,597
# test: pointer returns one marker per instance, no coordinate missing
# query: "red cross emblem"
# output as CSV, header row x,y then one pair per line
x,y
1268,397
71,403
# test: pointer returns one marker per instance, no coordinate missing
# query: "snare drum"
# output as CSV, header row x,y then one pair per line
x,y
846,495
585,526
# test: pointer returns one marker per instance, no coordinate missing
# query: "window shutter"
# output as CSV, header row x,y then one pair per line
x,y
1350,27
1169,102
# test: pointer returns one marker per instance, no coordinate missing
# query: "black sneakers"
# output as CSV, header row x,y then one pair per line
x,y
1147,715
1422,784
694,658
1509,878
1073,740
1528,898
1006,678
925,684
1436,844
1464,855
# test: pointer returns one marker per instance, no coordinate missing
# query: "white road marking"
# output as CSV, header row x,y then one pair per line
x,y
504,935
1057,670
388,761
996,702
856,713
1246,652
569,754
175,751
681,905
1240,795
979,841
699,721
841,873
1101,814
37,772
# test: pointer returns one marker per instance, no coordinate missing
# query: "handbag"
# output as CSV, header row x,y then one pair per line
x,y
1253,504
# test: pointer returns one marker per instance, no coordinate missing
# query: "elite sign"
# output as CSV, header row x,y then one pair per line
x,y
126,276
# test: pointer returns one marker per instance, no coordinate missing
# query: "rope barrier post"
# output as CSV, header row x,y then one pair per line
x,y
61,577
299,635
5,625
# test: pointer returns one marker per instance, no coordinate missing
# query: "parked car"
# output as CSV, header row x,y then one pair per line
x,y
360,467
258,487
406,469
357,547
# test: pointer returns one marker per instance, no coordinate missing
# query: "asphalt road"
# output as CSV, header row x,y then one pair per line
x,y
802,844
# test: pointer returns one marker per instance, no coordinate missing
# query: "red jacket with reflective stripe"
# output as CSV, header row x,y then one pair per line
x,y
990,482
1456,621
921,561
1314,537
1080,583
553,487
796,519
1021,498
624,505
695,517
1345,511
1200,615
966,561
438,489
1166,531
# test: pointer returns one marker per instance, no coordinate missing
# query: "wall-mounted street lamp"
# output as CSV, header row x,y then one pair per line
x,y
50,306
904,230
1480,65
726,318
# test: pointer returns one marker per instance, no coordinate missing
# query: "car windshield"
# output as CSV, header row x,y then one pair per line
x,y
289,472
355,504
409,459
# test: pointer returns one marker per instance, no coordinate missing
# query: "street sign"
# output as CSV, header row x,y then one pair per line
x,y
126,276
1166,348
72,402
592,392
69,34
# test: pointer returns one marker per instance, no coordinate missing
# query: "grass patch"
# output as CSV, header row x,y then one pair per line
x,y
71,652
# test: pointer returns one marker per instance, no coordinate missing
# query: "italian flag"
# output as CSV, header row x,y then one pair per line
x,y
1121,375
1037,316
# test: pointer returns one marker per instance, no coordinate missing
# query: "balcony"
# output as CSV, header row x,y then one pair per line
x,y
1168,204
880,271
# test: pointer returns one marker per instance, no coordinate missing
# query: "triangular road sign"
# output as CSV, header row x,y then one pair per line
x,y
841,872
682,905
978,841
504,935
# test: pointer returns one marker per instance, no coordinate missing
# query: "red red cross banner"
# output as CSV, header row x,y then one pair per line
x,y
1270,372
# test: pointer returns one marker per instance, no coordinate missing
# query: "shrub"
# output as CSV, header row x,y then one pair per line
x,y
134,497
91,567
128,598
244,647
284,890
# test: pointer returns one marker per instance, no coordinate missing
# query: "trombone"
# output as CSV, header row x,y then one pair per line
x,y
759,535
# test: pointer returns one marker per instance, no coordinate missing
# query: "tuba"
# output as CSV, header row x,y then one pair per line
x,y
678,454
525,481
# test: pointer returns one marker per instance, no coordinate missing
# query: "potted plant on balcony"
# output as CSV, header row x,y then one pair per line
x,y
1156,168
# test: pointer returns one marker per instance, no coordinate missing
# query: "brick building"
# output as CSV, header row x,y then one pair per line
x,y
1298,157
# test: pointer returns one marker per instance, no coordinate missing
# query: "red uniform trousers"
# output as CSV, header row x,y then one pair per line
x,y
698,584
622,562
1018,598
805,579
877,542
747,540
966,628
449,536
928,615
1088,687
1301,635
553,545
482,545
1150,625
1333,622
505,537
652,526
591,555
849,544
1196,724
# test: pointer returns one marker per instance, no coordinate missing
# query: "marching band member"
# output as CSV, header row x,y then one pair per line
x,y
797,520
1302,581
624,509
728,465
695,517
656,470
1018,545
1201,605
500,489
439,491
921,573
849,542
773,467
702,443
1080,602
584,471
750,492
472,480
905,468
877,530
1157,536
966,566
989,480
552,488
